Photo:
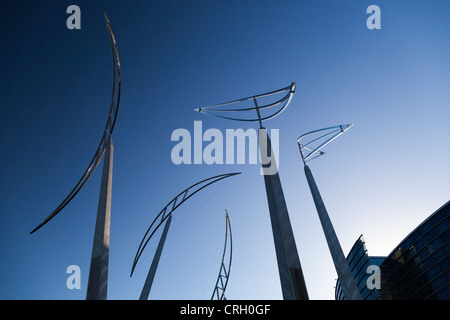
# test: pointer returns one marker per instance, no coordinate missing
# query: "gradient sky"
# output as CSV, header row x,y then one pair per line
x,y
381,178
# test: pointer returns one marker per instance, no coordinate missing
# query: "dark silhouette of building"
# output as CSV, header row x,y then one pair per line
x,y
417,269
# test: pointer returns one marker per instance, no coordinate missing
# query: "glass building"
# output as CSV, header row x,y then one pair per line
x,y
359,261
417,269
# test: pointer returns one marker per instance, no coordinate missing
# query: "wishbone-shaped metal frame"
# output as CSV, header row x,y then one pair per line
x,y
315,152
284,101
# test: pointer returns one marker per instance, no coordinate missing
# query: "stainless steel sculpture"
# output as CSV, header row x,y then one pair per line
x,y
293,285
98,273
163,215
114,108
309,151
224,271
281,103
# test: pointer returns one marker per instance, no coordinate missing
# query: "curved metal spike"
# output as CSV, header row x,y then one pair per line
x,y
224,272
114,108
164,214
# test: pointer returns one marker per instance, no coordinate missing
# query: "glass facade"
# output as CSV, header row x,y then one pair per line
x,y
417,269
359,261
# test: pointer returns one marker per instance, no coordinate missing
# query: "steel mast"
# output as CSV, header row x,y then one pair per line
x,y
98,274
307,152
292,281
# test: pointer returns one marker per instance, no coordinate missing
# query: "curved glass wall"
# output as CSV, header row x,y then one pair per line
x,y
417,269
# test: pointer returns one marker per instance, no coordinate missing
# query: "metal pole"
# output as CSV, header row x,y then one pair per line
x,y
98,273
259,114
344,273
293,284
151,273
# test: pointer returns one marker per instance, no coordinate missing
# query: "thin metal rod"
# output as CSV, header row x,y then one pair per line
x,y
151,273
259,114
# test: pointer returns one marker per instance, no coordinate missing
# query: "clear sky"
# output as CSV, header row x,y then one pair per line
x,y
381,178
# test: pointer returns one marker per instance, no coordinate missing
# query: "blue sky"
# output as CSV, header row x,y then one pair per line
x,y
380,179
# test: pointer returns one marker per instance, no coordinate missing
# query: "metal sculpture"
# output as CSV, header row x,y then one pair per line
x,y
163,215
106,137
309,152
287,94
293,285
224,271
98,272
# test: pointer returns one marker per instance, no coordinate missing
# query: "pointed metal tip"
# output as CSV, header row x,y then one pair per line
x,y
198,109
106,16
345,127
293,85
35,229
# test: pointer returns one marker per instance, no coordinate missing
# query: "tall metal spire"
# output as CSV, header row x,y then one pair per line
x,y
293,284
98,273
308,152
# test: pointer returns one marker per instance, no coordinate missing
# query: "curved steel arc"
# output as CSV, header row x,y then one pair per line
x,y
114,108
254,108
291,87
224,272
164,214
336,132
286,99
